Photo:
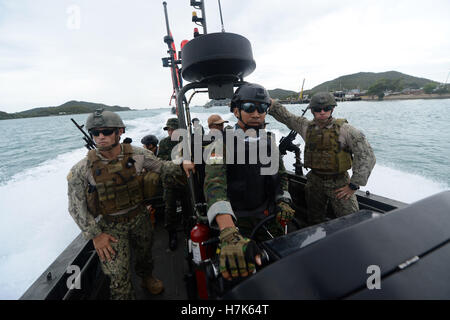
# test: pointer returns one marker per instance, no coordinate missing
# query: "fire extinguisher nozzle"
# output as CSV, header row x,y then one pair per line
x,y
211,241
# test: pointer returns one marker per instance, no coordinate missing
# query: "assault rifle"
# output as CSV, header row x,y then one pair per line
x,y
90,144
286,144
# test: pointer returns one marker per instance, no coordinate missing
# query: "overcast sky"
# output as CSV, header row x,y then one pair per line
x,y
109,51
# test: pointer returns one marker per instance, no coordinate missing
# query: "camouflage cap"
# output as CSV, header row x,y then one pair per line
x,y
171,123
322,99
104,119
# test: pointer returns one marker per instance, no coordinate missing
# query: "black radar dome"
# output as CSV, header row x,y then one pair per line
x,y
217,58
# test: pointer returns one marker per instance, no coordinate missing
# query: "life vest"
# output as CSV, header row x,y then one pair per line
x,y
323,151
249,191
118,186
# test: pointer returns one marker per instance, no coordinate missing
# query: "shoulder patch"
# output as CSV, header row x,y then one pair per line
x,y
69,176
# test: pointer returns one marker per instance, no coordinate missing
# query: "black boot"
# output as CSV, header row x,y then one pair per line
x,y
173,241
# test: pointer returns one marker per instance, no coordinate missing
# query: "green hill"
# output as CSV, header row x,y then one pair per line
x,y
275,94
4,115
282,94
363,80
70,107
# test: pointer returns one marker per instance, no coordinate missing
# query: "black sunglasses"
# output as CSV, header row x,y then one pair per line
x,y
250,107
326,109
105,132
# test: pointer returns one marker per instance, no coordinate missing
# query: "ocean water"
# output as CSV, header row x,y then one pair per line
x,y
410,139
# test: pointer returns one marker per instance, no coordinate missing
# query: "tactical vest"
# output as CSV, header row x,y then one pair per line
x,y
323,151
118,186
247,189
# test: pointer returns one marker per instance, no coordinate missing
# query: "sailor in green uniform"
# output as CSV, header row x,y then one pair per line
x,y
239,195
332,147
175,186
106,193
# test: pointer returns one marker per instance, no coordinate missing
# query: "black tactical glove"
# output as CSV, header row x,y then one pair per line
x,y
235,248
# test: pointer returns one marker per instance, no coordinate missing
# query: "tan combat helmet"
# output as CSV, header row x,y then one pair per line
x,y
104,119
322,99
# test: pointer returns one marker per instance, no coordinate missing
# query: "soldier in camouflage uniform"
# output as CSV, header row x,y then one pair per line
x,y
332,147
105,193
150,142
239,194
175,187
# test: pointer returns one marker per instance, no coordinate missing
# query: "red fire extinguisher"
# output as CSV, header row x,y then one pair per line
x,y
200,233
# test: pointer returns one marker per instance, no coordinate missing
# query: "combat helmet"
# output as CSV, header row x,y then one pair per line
x,y
104,119
322,99
149,139
171,123
249,92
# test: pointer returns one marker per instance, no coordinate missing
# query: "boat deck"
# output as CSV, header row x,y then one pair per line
x,y
169,266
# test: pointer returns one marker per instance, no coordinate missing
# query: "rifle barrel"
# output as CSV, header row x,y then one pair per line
x,y
90,144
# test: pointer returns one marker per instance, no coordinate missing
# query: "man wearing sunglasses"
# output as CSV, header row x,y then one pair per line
x,y
332,147
238,195
106,194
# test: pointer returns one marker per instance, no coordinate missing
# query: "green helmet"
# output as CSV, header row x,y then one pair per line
x,y
104,119
250,92
171,123
321,99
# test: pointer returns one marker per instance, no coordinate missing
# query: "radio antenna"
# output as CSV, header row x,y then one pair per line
x,y
221,18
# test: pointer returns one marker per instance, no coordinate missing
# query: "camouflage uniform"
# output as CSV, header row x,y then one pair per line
x,y
135,232
174,187
218,202
165,148
320,190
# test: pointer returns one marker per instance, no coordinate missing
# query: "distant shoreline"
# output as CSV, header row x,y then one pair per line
x,y
69,108
407,97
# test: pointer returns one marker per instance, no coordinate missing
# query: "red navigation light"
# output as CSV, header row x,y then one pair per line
x,y
196,33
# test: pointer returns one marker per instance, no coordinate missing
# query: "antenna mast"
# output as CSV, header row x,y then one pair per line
x,y
200,4
221,17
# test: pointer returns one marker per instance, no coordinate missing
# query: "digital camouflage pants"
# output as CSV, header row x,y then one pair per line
x,y
136,234
320,192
